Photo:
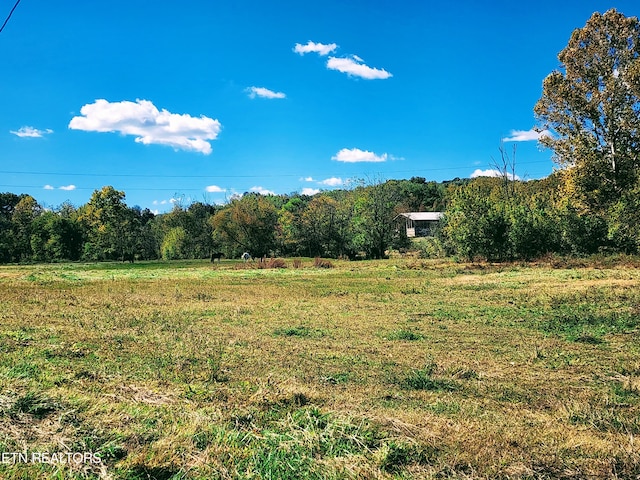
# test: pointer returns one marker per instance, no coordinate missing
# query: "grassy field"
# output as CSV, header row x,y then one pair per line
x,y
386,369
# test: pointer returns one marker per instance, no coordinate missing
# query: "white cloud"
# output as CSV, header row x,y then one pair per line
x,y
354,155
310,191
262,191
307,179
319,48
214,189
264,93
64,187
492,173
31,132
148,124
525,135
332,182
354,66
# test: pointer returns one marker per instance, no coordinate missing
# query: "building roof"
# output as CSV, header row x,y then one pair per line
x,y
424,216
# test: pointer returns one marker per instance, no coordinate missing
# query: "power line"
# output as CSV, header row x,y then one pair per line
x,y
213,175
132,189
9,16
143,175
209,177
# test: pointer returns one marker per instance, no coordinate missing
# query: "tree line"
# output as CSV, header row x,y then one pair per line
x,y
496,219
342,223
588,116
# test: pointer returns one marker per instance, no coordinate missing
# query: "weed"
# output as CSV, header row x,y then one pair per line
x,y
242,420
332,436
627,391
23,370
422,379
215,356
513,394
33,404
336,378
202,440
300,331
589,339
402,334
21,337
606,418
398,455
148,472
112,451
586,324
464,373
204,297
444,408
411,291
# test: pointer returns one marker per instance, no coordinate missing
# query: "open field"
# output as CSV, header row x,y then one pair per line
x,y
386,369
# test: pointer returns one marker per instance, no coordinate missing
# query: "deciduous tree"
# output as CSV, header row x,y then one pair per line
x,y
108,221
247,223
590,109
24,214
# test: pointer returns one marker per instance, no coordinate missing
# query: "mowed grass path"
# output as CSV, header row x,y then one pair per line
x,y
385,369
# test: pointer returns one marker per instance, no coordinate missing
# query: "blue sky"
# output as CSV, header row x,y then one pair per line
x,y
199,100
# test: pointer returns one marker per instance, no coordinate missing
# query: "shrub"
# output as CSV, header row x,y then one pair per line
x,y
276,263
429,247
322,263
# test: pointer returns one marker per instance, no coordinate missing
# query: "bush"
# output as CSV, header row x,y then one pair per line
x,y
533,232
430,247
582,234
322,263
276,263
270,263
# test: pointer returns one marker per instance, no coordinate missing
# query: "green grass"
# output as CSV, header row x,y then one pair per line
x,y
299,331
404,334
372,369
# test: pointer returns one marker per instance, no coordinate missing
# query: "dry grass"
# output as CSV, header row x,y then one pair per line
x,y
366,370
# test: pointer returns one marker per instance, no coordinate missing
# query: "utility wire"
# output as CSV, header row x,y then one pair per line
x,y
9,16
215,175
